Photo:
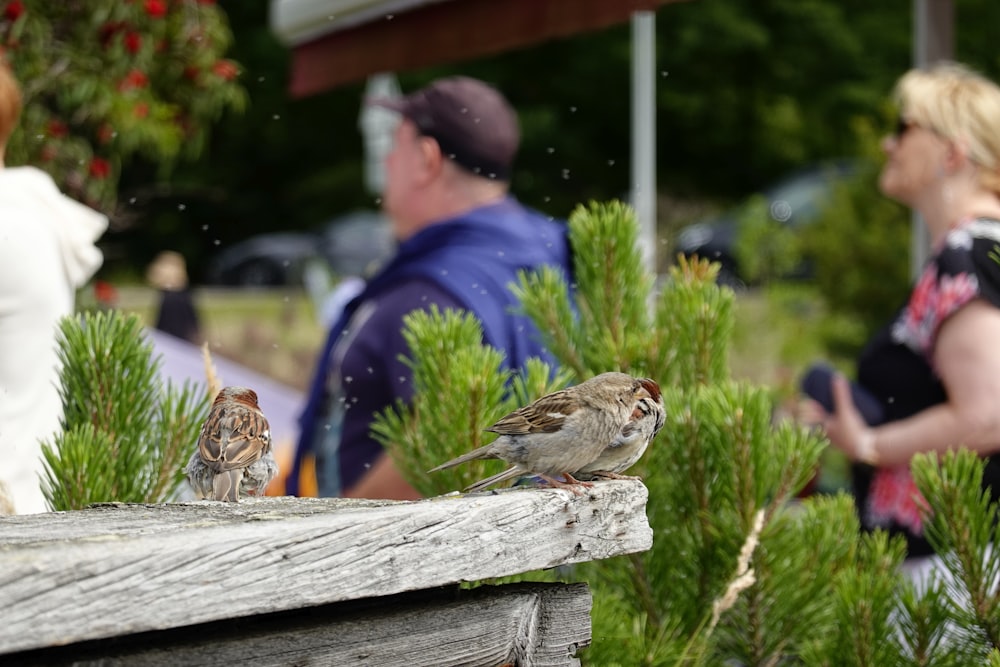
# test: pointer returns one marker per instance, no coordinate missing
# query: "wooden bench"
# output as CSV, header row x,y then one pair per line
x,y
292,581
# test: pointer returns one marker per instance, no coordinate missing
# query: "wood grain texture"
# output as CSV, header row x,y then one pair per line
x,y
114,570
540,625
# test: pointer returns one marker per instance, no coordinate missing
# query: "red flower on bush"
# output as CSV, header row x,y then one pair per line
x,y
226,69
130,103
13,10
156,8
105,133
57,128
133,80
105,293
100,168
133,42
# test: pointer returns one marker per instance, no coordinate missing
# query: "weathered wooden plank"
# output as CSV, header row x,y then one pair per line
x,y
122,569
531,625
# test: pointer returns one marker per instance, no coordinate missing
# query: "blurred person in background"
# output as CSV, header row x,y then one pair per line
x,y
929,381
462,239
47,252
176,313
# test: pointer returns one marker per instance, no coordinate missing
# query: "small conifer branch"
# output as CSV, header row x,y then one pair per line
x,y
961,524
696,317
743,578
538,379
123,433
544,298
459,389
181,413
612,284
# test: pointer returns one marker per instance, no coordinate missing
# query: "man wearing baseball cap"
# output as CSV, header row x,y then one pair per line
x,y
462,240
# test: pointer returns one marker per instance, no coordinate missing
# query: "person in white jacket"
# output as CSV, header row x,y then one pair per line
x,y
47,251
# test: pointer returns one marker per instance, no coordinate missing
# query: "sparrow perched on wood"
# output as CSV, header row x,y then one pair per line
x,y
621,454
629,445
234,448
563,431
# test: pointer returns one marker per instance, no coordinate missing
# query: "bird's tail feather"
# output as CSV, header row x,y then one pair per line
x,y
480,453
226,485
509,473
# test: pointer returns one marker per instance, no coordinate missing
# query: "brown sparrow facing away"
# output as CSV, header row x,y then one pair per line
x,y
234,448
629,445
563,431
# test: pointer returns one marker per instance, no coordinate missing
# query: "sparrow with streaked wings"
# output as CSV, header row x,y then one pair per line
x,y
621,454
563,431
234,448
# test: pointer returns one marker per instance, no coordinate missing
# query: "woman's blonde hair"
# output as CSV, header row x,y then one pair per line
x,y
961,105
10,103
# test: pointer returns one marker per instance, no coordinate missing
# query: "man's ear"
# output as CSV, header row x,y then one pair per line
x,y
432,158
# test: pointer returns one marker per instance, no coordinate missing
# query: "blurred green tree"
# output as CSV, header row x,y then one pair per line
x,y
105,80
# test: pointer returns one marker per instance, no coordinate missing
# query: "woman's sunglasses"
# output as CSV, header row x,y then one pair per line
x,y
902,125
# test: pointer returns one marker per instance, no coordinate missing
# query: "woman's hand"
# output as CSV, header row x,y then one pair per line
x,y
845,426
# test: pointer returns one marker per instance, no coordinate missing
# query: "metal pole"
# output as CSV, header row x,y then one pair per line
x,y
933,40
377,127
644,131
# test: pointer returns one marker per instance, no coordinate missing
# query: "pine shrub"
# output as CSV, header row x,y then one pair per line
x,y
125,434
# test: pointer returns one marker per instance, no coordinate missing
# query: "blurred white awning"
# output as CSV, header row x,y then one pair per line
x,y
298,21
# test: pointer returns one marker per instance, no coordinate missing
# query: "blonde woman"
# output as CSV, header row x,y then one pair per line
x,y
935,367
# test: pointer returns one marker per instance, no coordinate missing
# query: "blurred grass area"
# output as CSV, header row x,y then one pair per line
x,y
273,331
777,335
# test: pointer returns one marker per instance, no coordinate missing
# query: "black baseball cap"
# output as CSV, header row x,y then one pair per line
x,y
473,123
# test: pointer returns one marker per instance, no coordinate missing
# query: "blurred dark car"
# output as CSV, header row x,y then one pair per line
x,y
794,201
349,245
